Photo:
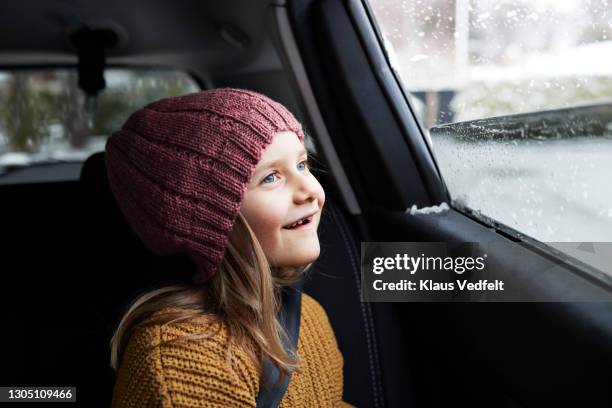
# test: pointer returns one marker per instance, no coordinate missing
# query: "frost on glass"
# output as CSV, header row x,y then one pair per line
x,y
544,174
519,94
45,118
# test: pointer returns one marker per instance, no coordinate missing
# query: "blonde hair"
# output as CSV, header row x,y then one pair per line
x,y
244,295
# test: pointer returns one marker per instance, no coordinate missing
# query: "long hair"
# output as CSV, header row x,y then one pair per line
x,y
244,296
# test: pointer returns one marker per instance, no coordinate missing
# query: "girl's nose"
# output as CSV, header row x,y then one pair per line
x,y
307,189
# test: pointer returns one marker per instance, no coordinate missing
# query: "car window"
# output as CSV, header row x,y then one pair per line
x,y
540,71
48,127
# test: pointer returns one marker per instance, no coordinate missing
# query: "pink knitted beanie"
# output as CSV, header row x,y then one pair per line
x,y
179,168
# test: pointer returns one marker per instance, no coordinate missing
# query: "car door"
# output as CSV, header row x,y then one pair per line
x,y
550,349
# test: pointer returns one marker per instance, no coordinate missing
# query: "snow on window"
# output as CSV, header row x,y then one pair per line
x,y
542,69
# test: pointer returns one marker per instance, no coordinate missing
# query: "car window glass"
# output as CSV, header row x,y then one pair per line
x,y
48,127
527,85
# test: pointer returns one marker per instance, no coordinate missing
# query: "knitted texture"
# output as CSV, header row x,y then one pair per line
x,y
179,168
195,374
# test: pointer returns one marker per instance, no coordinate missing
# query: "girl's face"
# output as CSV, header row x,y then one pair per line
x,y
282,191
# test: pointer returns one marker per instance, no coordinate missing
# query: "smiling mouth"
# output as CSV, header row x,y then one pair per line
x,y
299,224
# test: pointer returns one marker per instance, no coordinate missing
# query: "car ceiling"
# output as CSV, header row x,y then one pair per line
x,y
187,34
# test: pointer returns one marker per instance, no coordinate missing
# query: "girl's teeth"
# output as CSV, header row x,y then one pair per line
x,y
297,224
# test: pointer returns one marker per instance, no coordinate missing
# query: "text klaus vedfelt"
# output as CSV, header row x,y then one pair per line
x,y
412,265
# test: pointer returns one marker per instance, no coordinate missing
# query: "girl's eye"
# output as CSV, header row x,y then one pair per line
x,y
305,163
268,178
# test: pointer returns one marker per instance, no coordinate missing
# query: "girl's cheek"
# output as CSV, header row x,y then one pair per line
x,y
271,216
264,211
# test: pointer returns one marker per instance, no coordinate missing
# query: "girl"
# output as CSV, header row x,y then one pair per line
x,y
221,175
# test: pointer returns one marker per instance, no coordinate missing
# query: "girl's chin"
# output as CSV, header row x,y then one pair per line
x,y
299,260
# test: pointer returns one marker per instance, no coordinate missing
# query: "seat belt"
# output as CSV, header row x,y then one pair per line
x,y
289,318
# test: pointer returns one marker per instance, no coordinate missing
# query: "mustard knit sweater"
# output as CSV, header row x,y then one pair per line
x,y
194,374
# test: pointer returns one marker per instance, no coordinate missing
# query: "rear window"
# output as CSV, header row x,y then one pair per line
x,y
48,128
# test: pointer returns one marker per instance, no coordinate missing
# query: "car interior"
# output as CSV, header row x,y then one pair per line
x,y
72,264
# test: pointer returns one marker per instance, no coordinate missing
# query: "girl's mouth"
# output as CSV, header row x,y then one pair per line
x,y
304,223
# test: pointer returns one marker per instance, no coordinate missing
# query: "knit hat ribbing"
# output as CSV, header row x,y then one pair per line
x,y
179,168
